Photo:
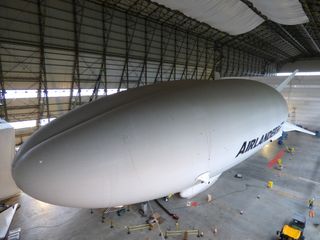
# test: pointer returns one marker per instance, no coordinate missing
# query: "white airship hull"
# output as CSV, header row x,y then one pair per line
x,y
149,142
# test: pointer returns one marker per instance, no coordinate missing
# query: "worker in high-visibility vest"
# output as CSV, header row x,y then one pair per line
x,y
311,203
280,166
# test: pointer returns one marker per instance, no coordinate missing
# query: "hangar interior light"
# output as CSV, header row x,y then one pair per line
x,y
29,123
299,74
14,94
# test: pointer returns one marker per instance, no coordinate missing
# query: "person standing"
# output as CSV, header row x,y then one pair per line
x,y
311,203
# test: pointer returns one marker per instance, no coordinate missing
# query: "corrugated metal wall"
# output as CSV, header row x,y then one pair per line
x,y
303,97
79,44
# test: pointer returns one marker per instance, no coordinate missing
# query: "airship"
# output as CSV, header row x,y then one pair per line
x,y
149,142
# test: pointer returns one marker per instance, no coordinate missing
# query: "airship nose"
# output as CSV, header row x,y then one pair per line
x,y
53,172
37,174
30,171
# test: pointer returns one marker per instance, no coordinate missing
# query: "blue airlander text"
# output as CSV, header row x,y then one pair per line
x,y
257,141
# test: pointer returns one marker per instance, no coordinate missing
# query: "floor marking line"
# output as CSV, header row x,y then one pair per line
x,y
276,158
309,180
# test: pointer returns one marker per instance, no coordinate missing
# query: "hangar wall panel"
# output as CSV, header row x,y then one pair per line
x,y
7,149
83,44
303,98
302,65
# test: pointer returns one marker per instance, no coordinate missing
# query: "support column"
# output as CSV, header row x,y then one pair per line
x,y
77,10
3,102
147,46
128,42
107,17
43,100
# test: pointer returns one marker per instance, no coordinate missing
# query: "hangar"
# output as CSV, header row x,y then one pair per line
x,y
66,55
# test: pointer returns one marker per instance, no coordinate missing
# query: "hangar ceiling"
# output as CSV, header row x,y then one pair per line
x,y
237,17
89,46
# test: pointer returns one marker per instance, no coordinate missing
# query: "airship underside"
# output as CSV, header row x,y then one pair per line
x,y
149,142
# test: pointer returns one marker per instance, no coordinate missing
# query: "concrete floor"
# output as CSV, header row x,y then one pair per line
x,y
262,216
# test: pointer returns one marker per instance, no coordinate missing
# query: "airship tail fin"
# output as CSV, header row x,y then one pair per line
x,y
287,127
286,81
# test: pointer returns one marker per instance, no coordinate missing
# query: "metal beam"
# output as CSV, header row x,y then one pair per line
x,y
43,101
174,67
259,45
249,70
77,11
195,70
211,75
177,51
314,44
254,50
3,102
144,69
128,43
291,38
163,50
313,21
218,58
233,62
227,62
160,65
204,72
275,27
105,40
147,47
178,27
238,63
187,57
243,64
208,55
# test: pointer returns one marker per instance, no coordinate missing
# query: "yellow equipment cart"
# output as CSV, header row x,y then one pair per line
x,y
293,230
